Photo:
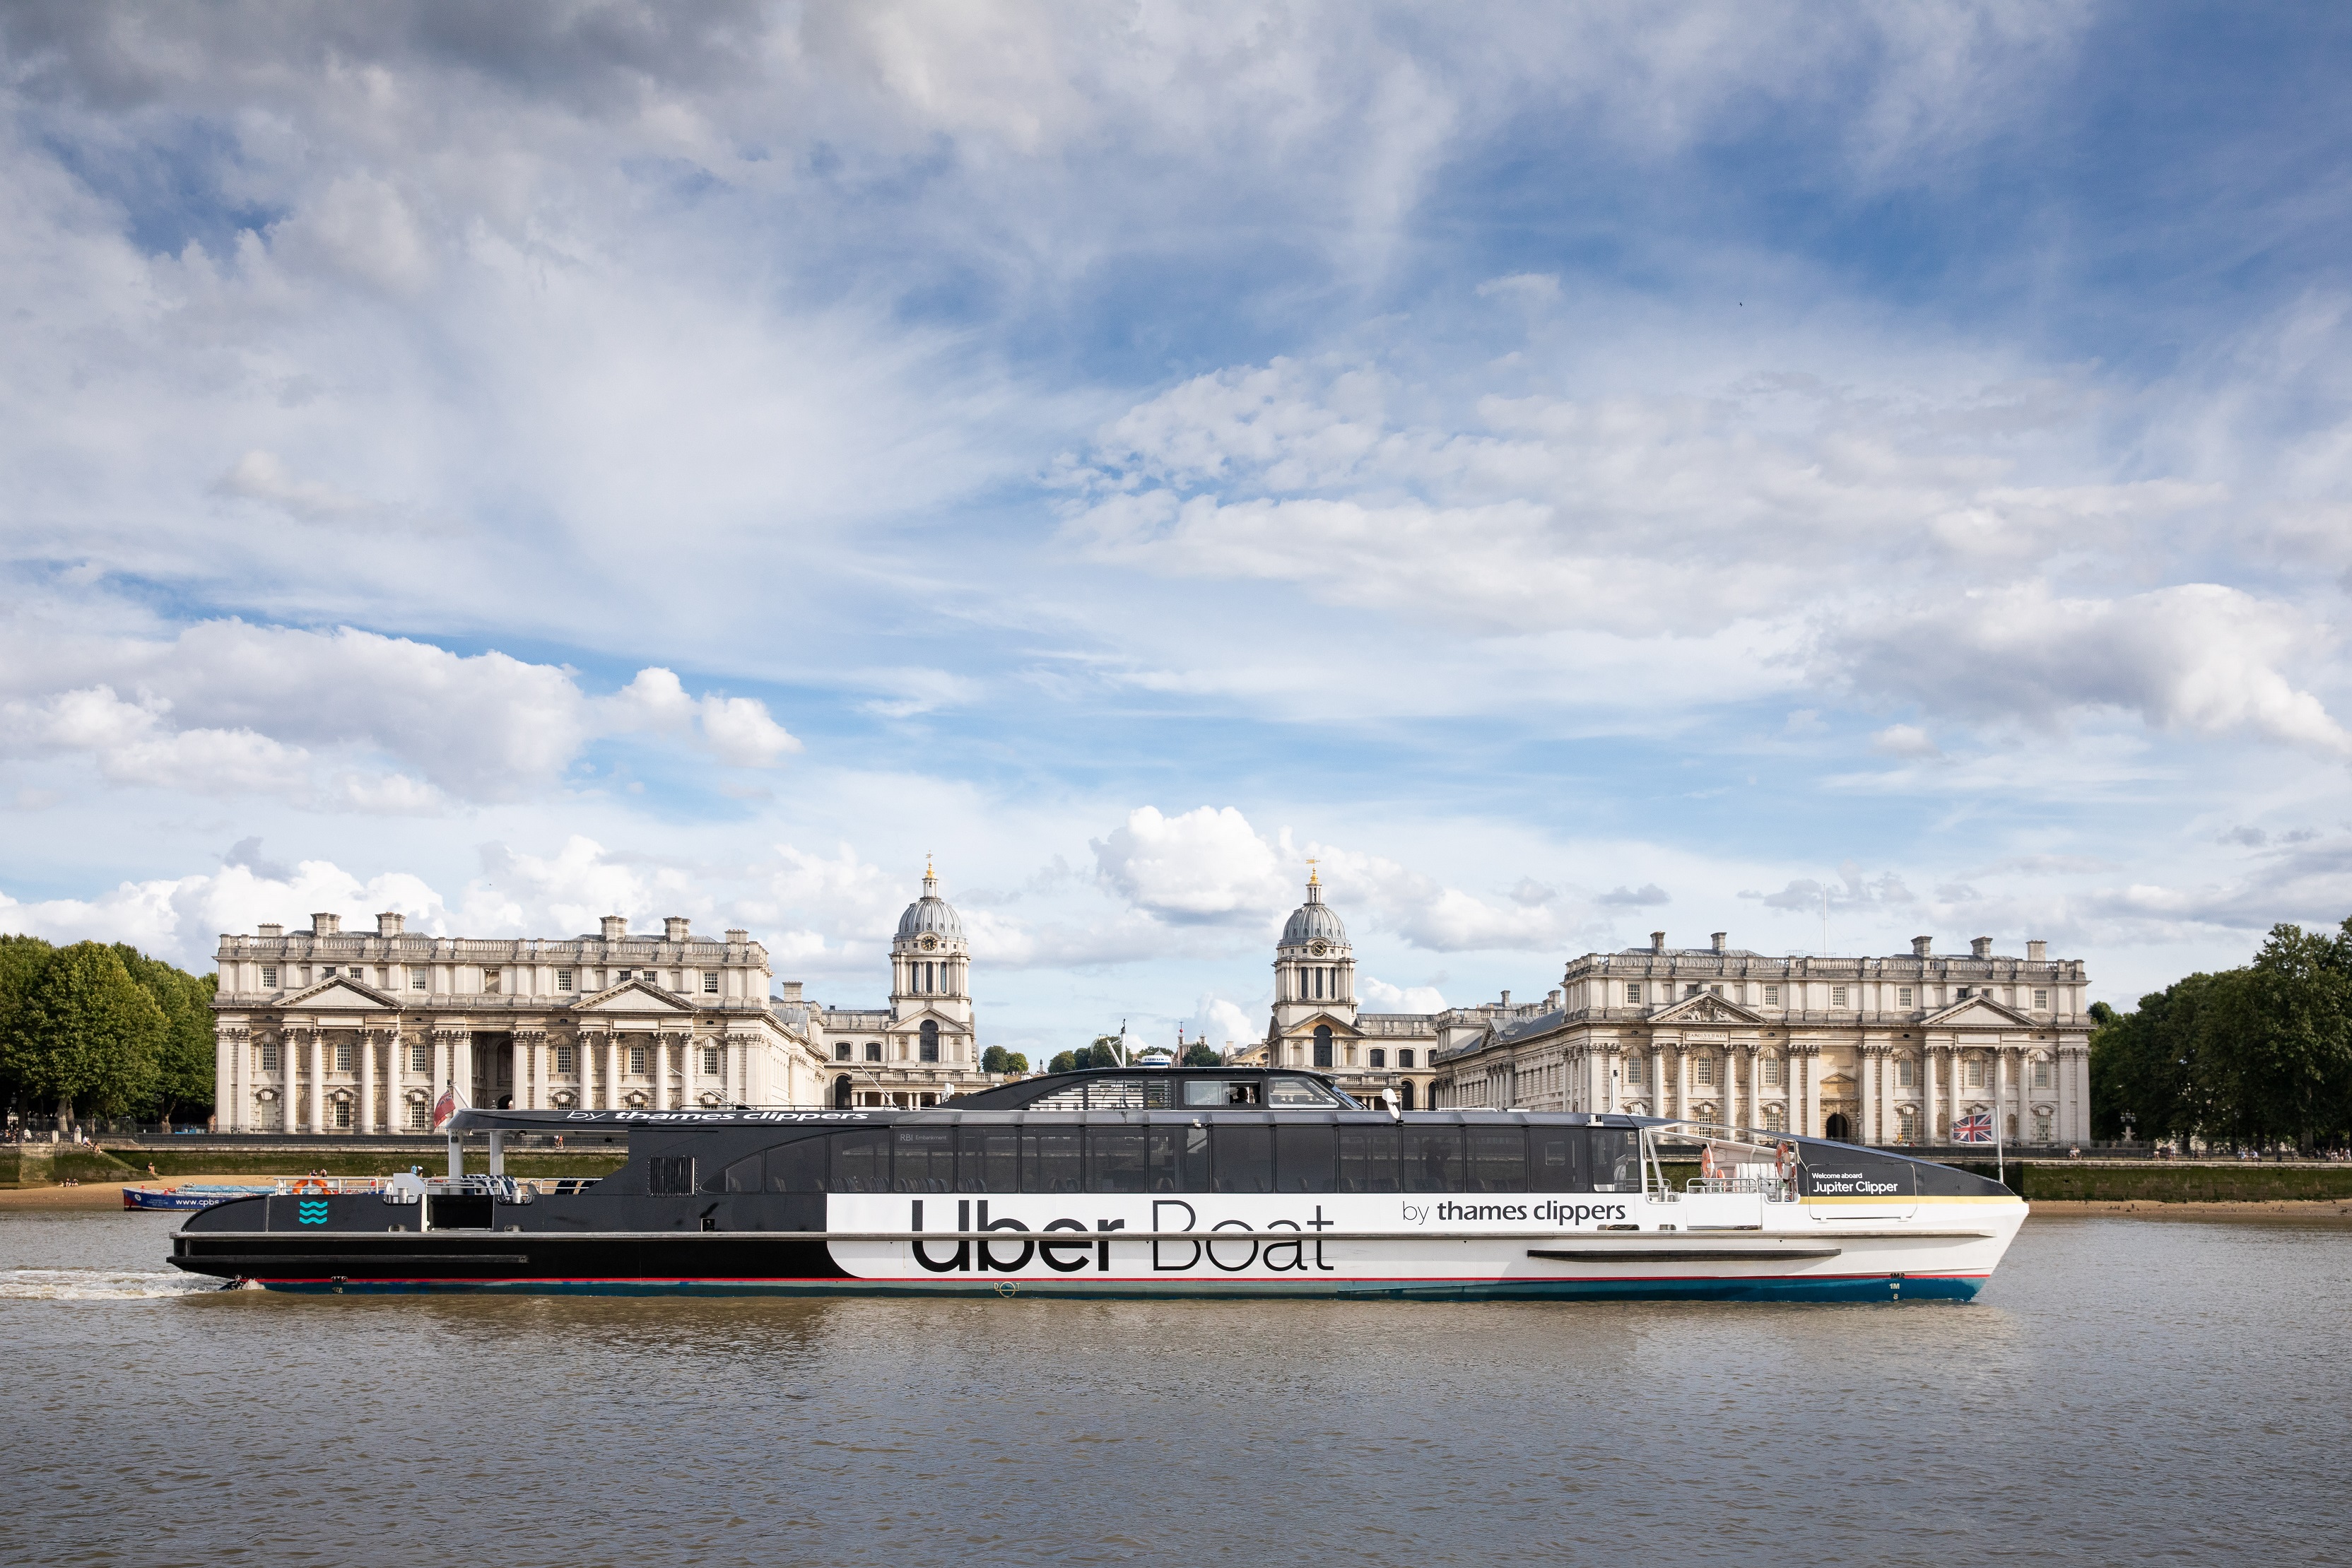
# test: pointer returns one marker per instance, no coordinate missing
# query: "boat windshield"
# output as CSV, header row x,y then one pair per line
x,y
1693,1157
1118,1091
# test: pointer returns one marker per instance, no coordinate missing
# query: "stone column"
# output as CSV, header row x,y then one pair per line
x,y
461,1066
443,1051
1865,1076
395,1081
1812,1060
314,1093
1656,1086
1682,1082
1927,1093
1753,1059
530,1079
365,1121
518,1068
610,1045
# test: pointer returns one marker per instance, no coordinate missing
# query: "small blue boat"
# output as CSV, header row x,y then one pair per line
x,y
194,1195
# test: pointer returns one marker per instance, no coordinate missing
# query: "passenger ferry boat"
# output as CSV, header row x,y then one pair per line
x,y
1166,1182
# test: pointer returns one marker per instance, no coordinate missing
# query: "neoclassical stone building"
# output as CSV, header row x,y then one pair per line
x,y
328,1030
334,1032
1881,1051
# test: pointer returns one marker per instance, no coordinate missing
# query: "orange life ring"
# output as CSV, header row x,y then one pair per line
x,y
312,1184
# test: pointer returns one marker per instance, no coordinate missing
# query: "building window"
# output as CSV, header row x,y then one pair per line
x,y
1771,1070
2041,1073
1404,1058
637,1058
328,973
841,1050
270,976
929,1047
2042,1127
342,1113
563,1058
1906,1125
342,1056
491,979
1837,995
1716,989
1632,995
1323,1045
1772,995
1378,1058
1902,995
269,1056
416,1116
1690,987
709,983
2040,1000
1774,1119
1706,1070
710,1061
622,977
562,979
873,1051
1903,1073
420,1057
1976,1072
416,979
1633,1071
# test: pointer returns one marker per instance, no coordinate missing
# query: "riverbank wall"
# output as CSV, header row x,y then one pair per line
x,y
2139,1181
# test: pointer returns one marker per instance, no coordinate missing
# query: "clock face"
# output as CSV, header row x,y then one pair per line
x,y
930,943
1317,949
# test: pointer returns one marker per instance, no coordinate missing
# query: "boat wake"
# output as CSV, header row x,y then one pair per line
x,y
97,1284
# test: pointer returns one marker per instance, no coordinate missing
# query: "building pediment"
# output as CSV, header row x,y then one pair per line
x,y
633,996
1706,1008
914,1021
1305,1027
342,993
1977,1012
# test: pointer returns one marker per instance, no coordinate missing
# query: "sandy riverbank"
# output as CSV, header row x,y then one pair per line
x,y
105,1194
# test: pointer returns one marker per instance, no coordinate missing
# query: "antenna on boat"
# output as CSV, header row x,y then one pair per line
x,y
1389,1099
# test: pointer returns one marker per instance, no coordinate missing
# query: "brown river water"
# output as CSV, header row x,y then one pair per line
x,y
2127,1390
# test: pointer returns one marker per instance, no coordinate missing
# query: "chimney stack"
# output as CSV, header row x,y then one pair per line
x,y
1552,1001
326,925
740,938
2037,951
1922,946
271,931
1506,999
674,928
1980,946
1657,941
1717,939
792,991
616,927
390,925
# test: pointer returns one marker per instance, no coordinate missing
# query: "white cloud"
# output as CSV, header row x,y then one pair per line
x,y
262,476
1904,741
1206,864
1387,998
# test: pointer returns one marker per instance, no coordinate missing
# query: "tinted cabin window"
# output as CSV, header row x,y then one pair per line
x,y
1049,1159
1616,1159
861,1161
1497,1159
1281,1091
799,1166
1433,1159
1115,1159
1368,1158
667,1175
1218,1091
922,1159
1243,1156
988,1159
1178,1159
1556,1160
744,1176
1304,1155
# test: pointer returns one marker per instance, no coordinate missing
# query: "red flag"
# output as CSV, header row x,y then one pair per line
x,y
445,1108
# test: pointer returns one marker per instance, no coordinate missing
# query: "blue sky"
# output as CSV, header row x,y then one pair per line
x,y
1824,474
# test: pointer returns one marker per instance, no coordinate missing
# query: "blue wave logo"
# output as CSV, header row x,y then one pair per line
x,y
312,1213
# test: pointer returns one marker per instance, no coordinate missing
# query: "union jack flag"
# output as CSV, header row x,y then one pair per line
x,y
1976,1129
445,1107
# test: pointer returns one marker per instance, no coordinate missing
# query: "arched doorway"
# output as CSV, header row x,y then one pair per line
x,y
929,1049
1322,1045
1404,1095
1837,1129
840,1093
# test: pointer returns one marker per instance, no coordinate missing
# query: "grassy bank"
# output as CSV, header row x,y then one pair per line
x,y
45,1165
2066,1182
298,1162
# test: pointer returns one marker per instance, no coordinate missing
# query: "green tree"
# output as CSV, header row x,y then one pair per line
x,y
1200,1053
184,1065
1067,1061
1014,1062
22,959
992,1059
91,1036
